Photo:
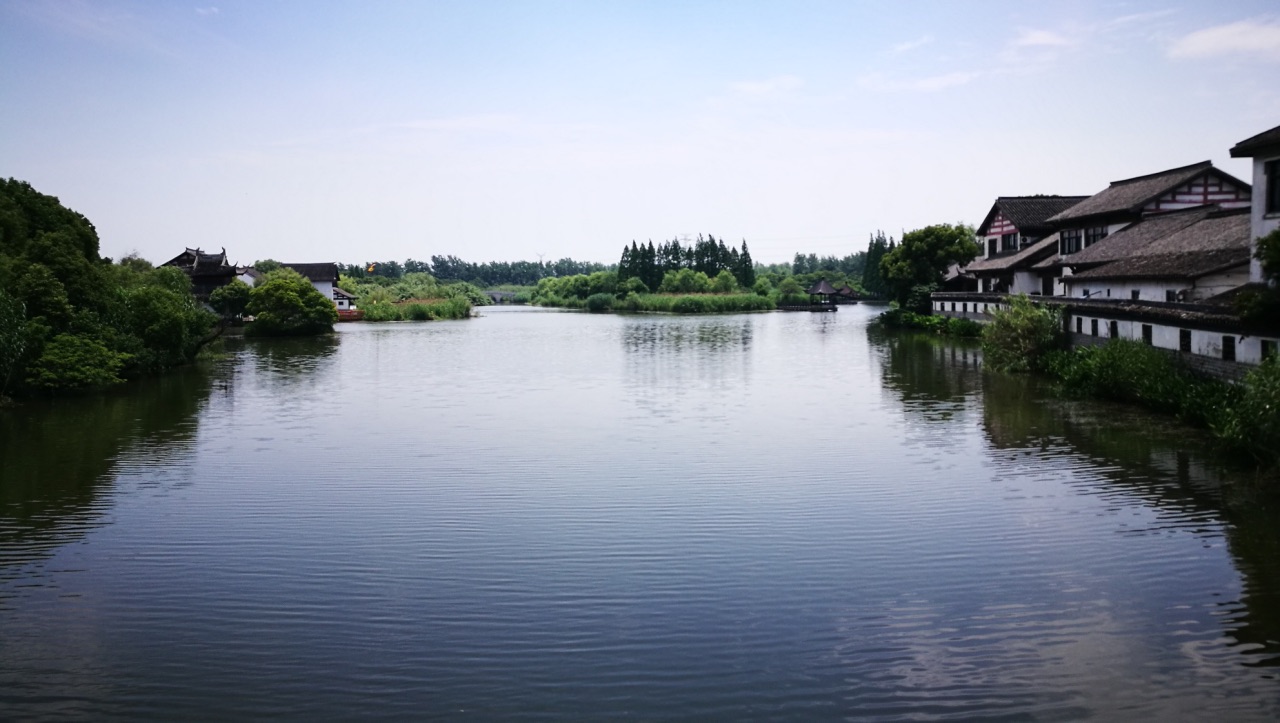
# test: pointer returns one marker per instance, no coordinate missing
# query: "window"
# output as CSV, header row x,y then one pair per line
x,y
1094,235
1115,329
1170,295
1135,294
1093,327
966,307
1009,242
1146,334
1184,340
1228,348
1271,177
991,247
1084,293
953,306
1079,325
1268,349
1069,242
984,308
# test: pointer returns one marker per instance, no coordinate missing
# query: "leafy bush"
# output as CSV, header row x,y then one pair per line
x,y
1017,338
1129,371
72,363
949,326
1251,422
600,302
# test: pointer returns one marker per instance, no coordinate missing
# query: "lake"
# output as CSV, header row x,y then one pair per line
x,y
548,515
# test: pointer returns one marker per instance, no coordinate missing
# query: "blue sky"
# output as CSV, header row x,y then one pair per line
x,y
317,131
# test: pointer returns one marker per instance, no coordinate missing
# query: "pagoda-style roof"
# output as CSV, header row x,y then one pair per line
x,y
822,288
198,263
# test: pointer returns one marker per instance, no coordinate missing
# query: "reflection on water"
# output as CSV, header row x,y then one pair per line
x,y
570,516
57,456
1143,458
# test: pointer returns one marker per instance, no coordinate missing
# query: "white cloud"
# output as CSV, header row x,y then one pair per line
x,y
913,44
929,84
1028,38
1256,38
206,12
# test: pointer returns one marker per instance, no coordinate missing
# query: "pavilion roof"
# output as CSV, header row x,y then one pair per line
x,y
822,287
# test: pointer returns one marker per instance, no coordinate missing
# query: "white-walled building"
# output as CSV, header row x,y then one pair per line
x,y
1126,202
1014,235
1264,149
1179,256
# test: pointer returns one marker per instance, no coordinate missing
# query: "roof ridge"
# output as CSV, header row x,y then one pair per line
x,y
1166,172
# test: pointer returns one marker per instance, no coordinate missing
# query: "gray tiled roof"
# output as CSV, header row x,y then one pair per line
x,y
1202,242
1264,141
1022,259
316,272
1135,239
1031,213
1190,265
1133,193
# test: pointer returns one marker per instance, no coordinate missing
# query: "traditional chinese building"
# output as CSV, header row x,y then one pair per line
x,y
206,271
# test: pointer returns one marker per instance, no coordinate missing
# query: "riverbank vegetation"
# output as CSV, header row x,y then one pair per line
x,y
945,325
484,275
284,303
415,296
1244,418
680,292
71,320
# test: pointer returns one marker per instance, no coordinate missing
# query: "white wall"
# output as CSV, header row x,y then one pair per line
x,y
1026,282
1204,343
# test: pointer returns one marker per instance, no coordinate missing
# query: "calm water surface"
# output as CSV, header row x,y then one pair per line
x,y
550,515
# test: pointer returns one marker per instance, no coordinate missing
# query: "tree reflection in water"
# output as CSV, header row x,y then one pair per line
x,y
1155,460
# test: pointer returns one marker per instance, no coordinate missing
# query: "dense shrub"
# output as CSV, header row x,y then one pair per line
x,y
74,363
599,302
1018,338
284,303
949,326
1251,422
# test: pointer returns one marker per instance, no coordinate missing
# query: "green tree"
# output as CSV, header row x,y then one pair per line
x,y
924,256
724,282
230,300
266,266
13,336
284,303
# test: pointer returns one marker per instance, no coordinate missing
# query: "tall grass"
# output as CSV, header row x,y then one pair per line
x,y
418,310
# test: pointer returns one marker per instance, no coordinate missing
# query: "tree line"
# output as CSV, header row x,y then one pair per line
x,y
488,274
708,256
